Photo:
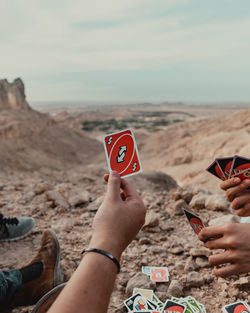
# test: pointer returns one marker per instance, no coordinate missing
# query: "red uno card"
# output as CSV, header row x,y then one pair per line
x,y
195,221
172,306
241,165
226,165
216,170
237,307
122,153
159,274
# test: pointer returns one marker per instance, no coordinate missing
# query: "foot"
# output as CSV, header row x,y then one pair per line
x,y
48,299
47,268
12,229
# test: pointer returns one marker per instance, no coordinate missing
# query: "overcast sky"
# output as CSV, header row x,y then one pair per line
x,y
127,50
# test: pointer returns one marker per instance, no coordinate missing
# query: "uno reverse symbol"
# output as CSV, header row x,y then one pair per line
x,y
121,154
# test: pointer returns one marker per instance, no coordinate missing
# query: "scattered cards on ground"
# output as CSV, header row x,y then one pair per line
x,y
122,153
139,303
156,273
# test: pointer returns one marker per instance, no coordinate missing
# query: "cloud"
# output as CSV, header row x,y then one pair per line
x,y
45,38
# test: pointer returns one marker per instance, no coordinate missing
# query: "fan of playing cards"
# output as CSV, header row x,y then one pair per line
x,y
225,168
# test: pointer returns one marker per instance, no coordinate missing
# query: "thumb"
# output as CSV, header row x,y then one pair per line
x,y
114,183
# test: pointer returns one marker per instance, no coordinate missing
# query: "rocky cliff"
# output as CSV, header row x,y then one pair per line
x,y
12,95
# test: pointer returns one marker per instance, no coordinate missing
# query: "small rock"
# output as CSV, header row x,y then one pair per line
x,y
140,280
187,195
144,241
152,219
161,179
167,227
178,206
177,250
198,189
225,219
58,199
242,282
175,194
202,262
80,199
190,265
94,206
175,288
180,265
200,252
41,188
194,279
216,203
208,278
158,250
198,201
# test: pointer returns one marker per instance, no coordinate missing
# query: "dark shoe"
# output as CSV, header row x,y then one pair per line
x,y
48,257
12,229
48,299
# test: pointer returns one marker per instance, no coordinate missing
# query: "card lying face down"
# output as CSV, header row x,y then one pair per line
x,y
122,153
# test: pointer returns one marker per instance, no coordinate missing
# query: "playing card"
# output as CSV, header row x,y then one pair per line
x,y
194,304
137,303
244,174
240,164
182,301
122,153
173,307
195,221
146,312
216,170
147,293
146,270
159,274
157,302
237,307
225,165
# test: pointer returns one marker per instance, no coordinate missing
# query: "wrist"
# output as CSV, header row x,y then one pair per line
x,y
112,247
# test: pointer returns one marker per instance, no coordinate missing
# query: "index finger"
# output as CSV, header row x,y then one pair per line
x,y
129,190
211,232
230,183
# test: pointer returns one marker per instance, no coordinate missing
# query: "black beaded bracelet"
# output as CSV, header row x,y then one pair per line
x,y
108,255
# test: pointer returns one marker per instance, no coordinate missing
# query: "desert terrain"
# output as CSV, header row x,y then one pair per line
x,y
52,163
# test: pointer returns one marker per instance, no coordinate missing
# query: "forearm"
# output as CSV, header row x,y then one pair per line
x,y
89,288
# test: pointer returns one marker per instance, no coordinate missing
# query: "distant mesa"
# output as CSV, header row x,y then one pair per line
x,y
12,95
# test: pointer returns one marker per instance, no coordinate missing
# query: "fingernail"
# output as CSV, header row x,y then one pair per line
x,y
113,173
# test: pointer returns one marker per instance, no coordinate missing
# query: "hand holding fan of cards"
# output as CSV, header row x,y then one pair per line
x,y
226,168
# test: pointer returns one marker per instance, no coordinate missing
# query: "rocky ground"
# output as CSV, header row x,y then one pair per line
x,y
68,202
52,171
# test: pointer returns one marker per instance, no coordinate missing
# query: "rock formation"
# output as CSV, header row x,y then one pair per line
x,y
12,95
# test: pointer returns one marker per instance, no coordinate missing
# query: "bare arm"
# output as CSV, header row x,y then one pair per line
x,y
115,225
